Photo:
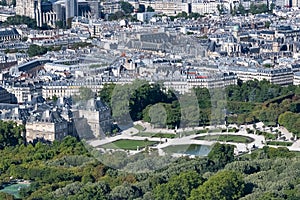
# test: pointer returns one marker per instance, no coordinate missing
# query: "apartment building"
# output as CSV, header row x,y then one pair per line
x,y
296,78
23,92
68,89
210,81
280,76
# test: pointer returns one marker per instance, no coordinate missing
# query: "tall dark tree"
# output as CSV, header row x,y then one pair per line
x,y
126,7
221,154
150,9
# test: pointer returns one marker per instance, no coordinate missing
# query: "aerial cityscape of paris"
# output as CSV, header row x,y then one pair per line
x,y
149,99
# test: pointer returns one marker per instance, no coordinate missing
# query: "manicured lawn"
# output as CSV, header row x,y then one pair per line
x,y
139,127
128,144
279,143
226,138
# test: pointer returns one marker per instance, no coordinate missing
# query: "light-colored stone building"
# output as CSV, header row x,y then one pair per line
x,y
92,118
48,125
296,78
280,76
26,8
218,80
24,93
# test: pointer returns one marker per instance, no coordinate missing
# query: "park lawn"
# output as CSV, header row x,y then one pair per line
x,y
128,144
226,138
139,127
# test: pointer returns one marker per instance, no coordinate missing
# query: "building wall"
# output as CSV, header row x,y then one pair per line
x,y
25,93
46,130
71,8
185,85
205,7
296,79
146,16
167,7
5,97
110,6
26,8
280,78
49,91
99,122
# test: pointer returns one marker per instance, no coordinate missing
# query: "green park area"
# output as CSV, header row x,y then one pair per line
x,y
139,127
128,144
226,138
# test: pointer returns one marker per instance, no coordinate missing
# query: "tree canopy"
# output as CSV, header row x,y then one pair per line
x,y
11,134
225,185
126,7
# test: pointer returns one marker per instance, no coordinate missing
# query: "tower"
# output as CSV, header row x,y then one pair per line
x,y
71,8
38,13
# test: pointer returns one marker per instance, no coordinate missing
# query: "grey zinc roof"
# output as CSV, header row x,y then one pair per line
x,y
8,32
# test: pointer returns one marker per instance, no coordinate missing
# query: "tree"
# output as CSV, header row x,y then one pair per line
x,y
85,94
267,24
5,196
220,8
3,3
60,24
194,15
119,15
143,94
125,191
179,186
294,107
88,178
157,114
24,39
106,93
150,9
256,9
54,98
142,8
126,7
189,111
241,9
222,154
183,14
35,50
272,6
224,185
291,121
10,134
17,20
